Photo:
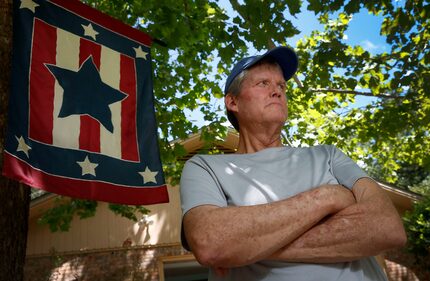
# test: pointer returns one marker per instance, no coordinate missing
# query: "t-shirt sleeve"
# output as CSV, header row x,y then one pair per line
x,y
346,171
199,186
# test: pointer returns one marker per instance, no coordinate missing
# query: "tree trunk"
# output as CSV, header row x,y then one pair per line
x,y
14,197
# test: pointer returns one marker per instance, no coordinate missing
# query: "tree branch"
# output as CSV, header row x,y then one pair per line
x,y
352,92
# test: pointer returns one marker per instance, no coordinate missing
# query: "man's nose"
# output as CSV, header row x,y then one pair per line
x,y
275,91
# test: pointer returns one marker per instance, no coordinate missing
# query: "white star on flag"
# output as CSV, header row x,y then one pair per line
x,y
88,167
89,31
140,53
148,175
28,4
22,145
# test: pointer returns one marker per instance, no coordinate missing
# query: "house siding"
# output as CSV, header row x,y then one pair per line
x,y
107,230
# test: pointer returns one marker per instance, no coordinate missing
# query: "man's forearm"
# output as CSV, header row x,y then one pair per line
x,y
363,229
236,236
341,237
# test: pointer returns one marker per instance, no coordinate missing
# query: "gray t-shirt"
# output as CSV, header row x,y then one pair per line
x,y
271,175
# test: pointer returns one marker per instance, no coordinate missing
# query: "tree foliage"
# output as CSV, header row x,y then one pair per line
x,y
60,216
417,224
204,39
395,128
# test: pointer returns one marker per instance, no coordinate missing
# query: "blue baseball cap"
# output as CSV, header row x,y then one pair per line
x,y
284,56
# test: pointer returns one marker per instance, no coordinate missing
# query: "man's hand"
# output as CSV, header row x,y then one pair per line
x,y
366,228
339,195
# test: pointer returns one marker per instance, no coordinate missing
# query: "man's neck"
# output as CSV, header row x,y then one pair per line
x,y
251,141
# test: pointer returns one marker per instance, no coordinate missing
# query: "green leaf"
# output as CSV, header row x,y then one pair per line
x,y
294,6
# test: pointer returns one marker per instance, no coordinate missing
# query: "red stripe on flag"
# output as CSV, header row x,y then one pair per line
x,y
42,82
89,135
127,85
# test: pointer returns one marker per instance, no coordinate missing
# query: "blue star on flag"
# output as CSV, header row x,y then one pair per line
x,y
86,93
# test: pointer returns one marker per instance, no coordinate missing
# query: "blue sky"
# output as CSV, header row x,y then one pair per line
x,y
363,30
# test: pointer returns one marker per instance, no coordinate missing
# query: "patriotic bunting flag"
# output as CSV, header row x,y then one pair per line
x,y
81,113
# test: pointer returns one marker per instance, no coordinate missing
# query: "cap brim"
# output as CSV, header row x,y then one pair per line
x,y
285,57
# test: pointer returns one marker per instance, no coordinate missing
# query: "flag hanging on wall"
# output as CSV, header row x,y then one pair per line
x,y
81,107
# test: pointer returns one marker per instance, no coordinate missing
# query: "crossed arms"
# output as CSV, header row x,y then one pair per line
x,y
324,225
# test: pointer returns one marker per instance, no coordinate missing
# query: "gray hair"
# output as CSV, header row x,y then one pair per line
x,y
234,90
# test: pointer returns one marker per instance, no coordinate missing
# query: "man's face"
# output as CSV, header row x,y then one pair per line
x,y
262,98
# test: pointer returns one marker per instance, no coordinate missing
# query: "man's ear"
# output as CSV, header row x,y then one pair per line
x,y
230,103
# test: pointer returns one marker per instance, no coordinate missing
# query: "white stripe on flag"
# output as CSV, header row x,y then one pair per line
x,y
110,143
66,130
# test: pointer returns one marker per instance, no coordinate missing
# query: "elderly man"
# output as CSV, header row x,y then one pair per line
x,y
273,212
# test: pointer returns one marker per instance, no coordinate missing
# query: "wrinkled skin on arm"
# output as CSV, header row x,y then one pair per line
x,y
237,236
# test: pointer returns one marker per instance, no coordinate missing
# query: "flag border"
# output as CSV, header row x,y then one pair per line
x,y
15,168
108,22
